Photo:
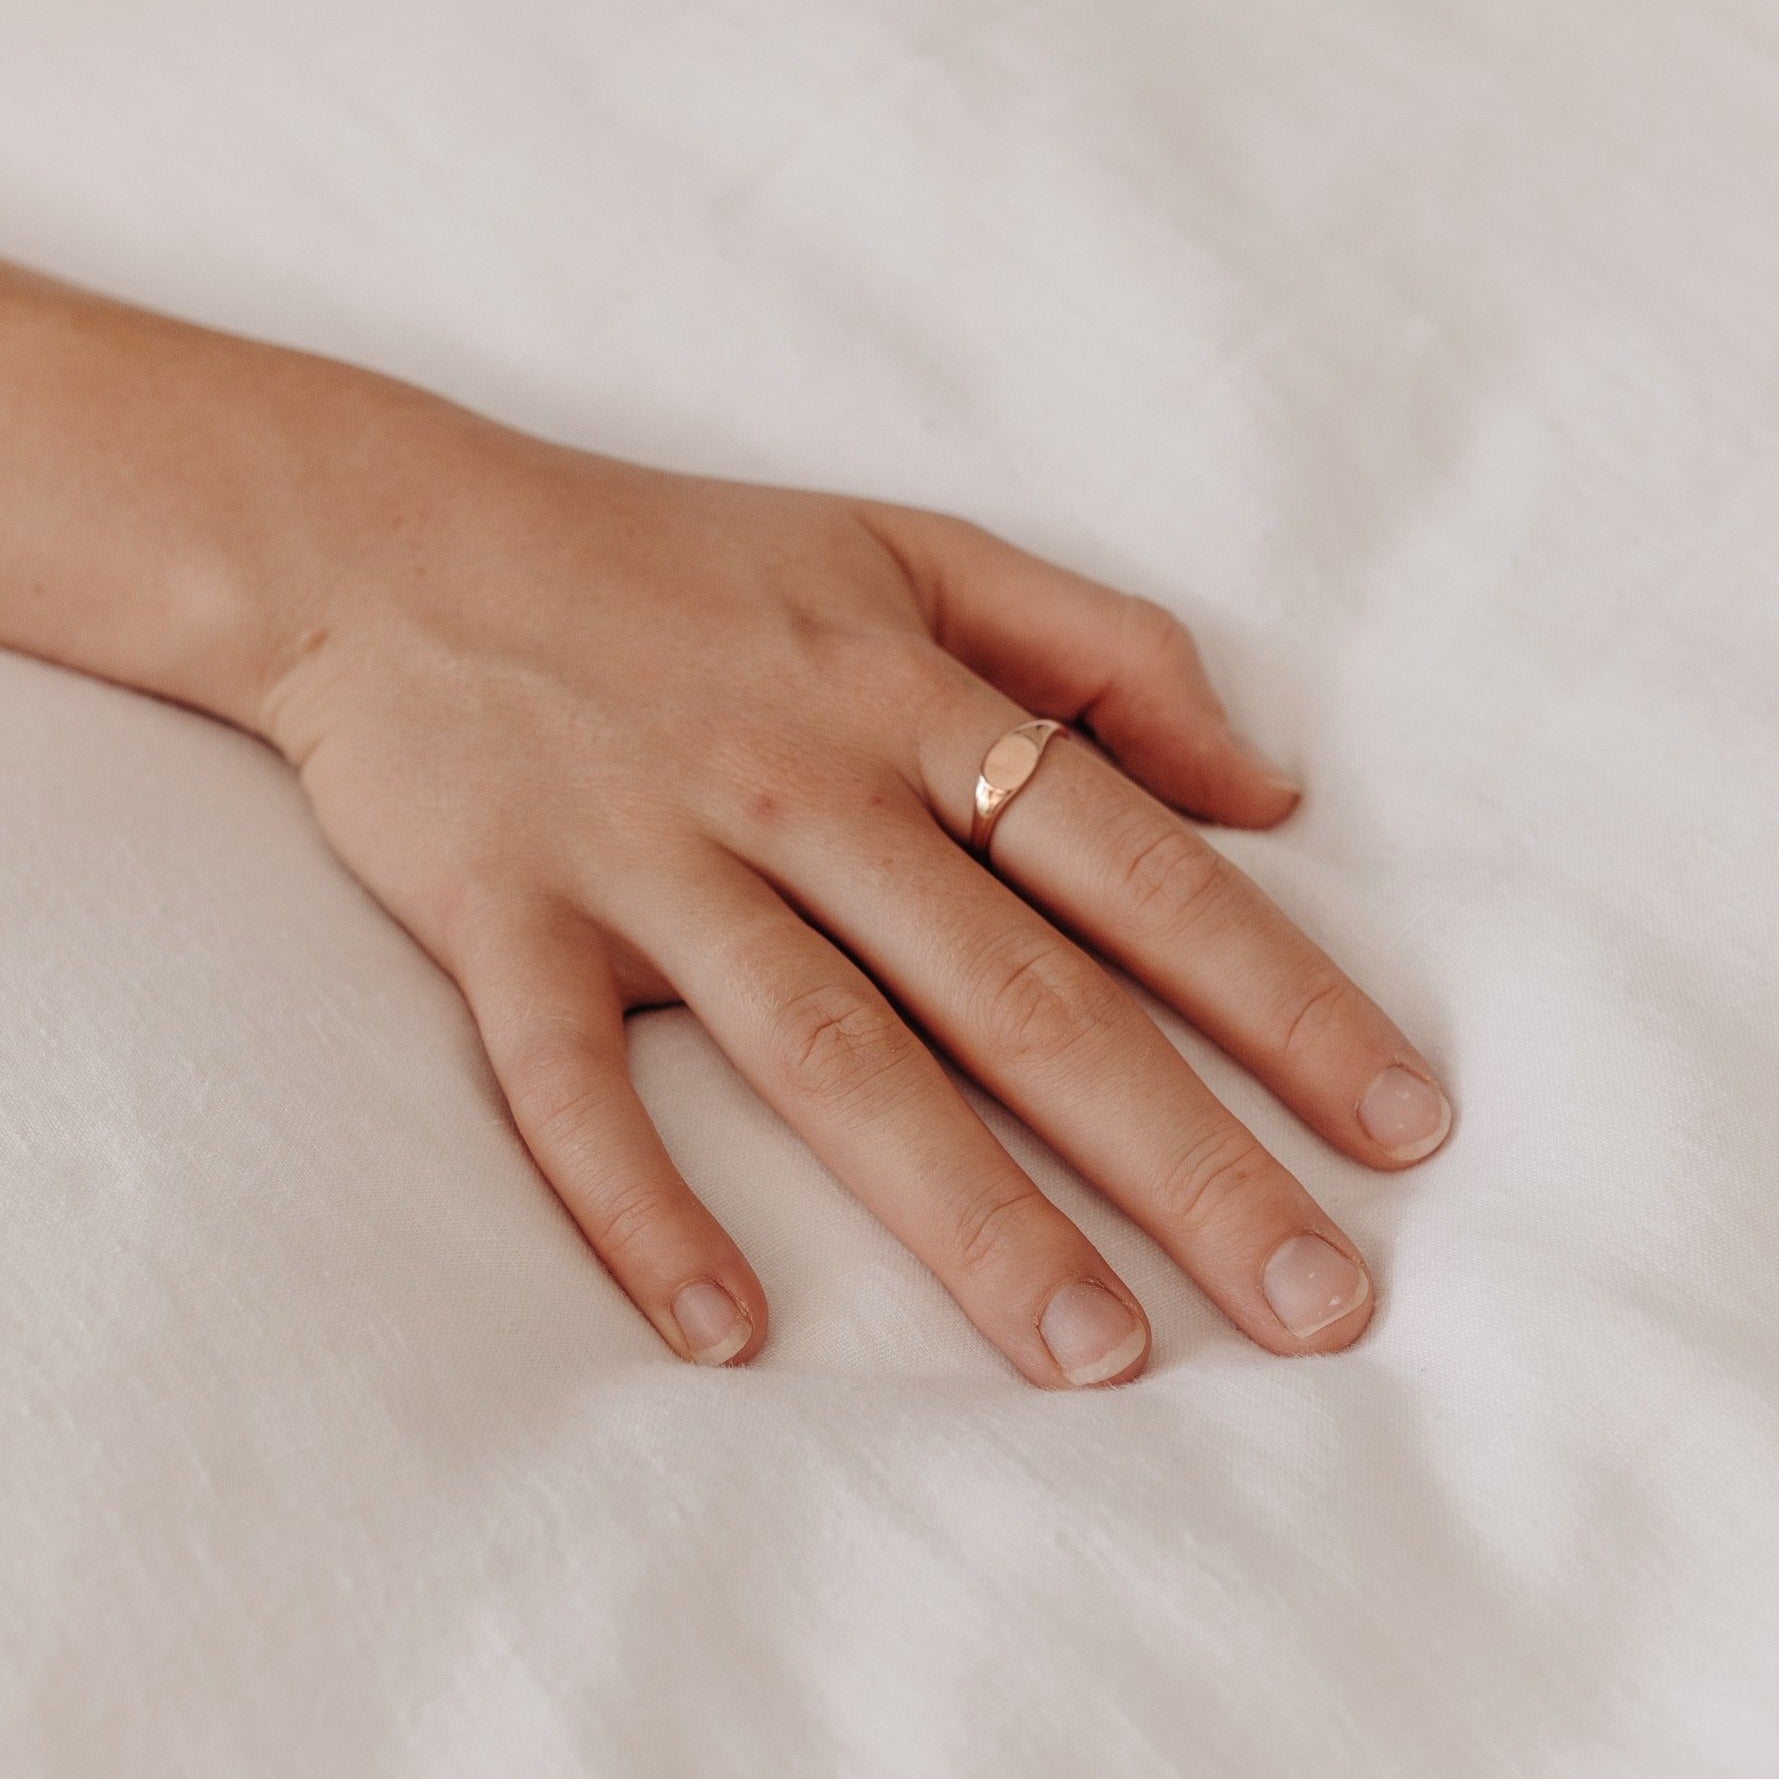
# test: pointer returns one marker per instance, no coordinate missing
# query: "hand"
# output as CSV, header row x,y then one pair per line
x,y
604,738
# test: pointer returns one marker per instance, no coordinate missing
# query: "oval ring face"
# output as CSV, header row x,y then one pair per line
x,y
1010,762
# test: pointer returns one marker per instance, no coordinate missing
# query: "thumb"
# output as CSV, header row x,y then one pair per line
x,y
1067,647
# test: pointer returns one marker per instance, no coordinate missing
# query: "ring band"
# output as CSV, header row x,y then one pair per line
x,y
1007,769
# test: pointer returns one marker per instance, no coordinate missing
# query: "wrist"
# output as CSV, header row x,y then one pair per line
x,y
336,498
182,511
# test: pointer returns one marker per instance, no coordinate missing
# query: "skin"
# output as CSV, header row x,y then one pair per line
x,y
603,737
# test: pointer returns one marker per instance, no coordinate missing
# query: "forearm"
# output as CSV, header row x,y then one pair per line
x,y
172,499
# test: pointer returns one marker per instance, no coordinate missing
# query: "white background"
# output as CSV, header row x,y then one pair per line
x,y
1423,354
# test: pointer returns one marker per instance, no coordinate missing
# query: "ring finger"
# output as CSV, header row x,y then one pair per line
x,y
1121,869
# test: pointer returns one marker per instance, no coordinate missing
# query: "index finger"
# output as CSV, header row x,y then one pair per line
x,y
1123,871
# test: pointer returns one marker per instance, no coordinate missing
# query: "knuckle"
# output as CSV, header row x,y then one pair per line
x,y
901,674
622,1219
777,787
564,1104
1170,875
1151,631
848,654
1319,1005
1148,624
1220,1170
559,1095
993,1227
1047,1000
839,1043
951,528
766,767
471,913
970,541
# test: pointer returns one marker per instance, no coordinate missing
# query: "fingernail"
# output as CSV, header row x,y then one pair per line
x,y
1405,1114
714,1324
1275,775
1310,1283
1090,1334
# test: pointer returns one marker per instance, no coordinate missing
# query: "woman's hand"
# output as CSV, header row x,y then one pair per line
x,y
606,738
603,737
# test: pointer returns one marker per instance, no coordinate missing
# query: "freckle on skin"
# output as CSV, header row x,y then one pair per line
x,y
765,806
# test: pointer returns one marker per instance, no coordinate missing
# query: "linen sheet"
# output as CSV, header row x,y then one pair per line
x,y
1422,353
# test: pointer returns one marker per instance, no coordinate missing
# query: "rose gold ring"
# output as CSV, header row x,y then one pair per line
x,y
1007,769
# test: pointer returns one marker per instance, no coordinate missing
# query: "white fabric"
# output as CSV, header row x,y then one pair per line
x,y
1423,354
